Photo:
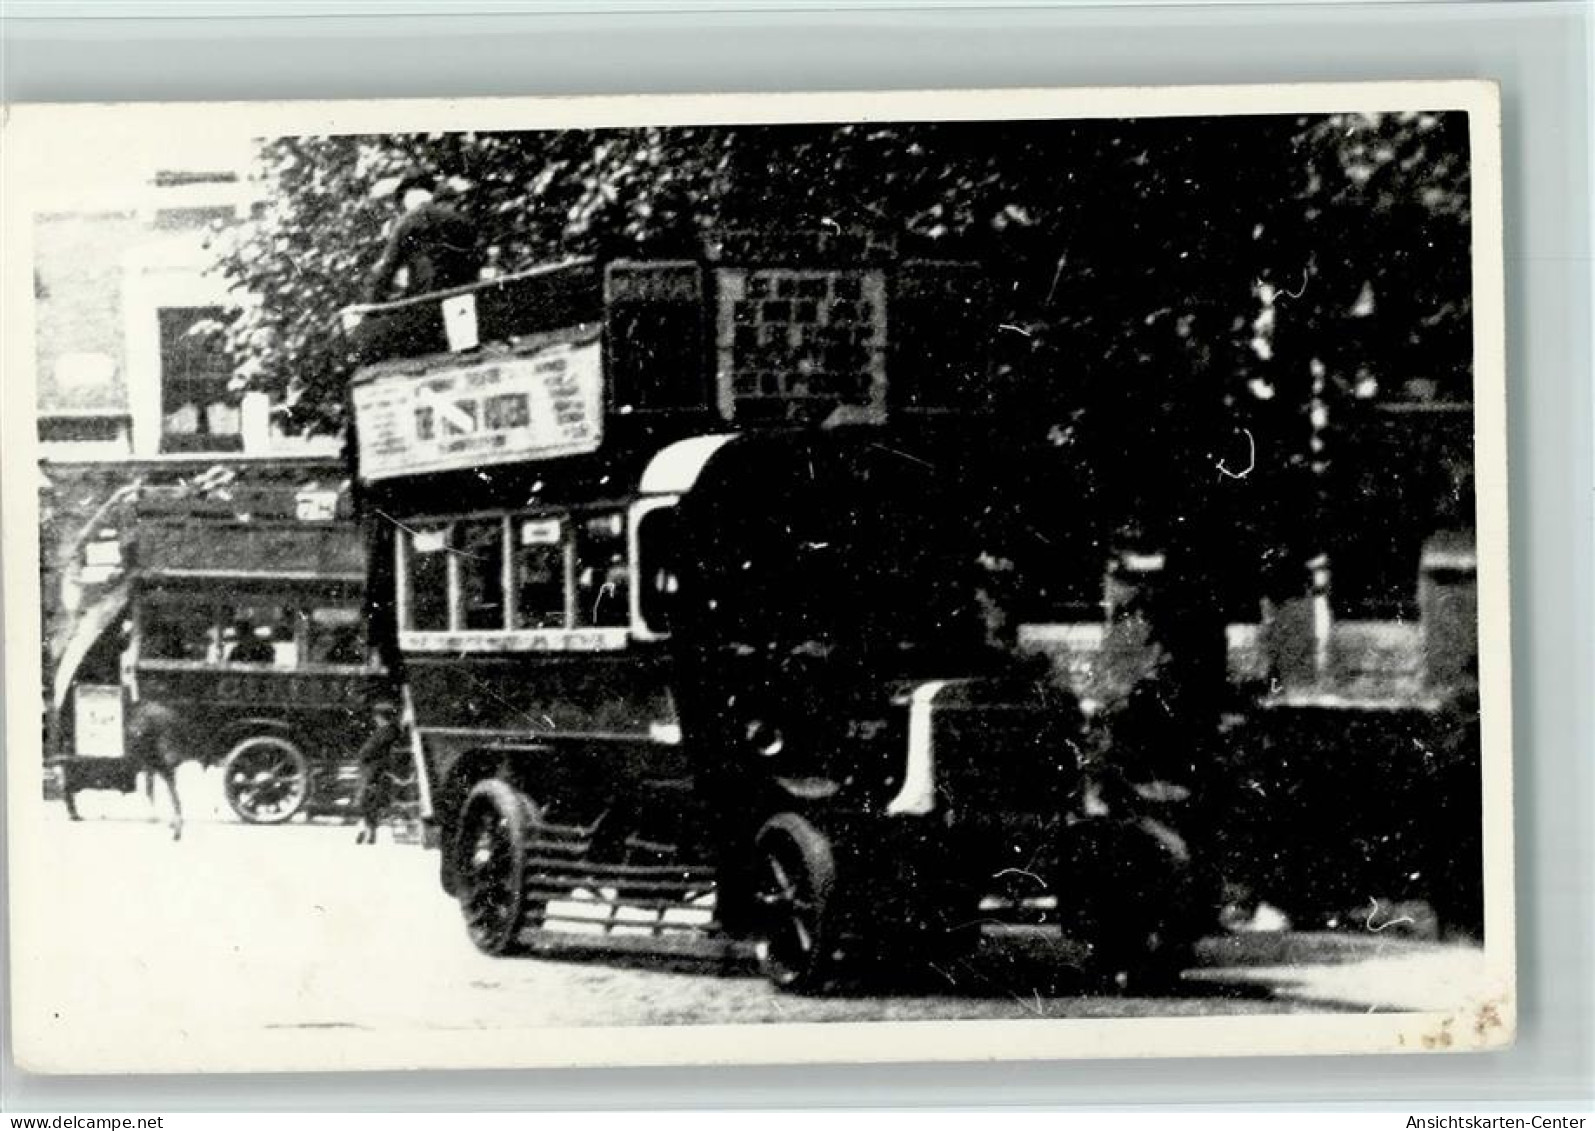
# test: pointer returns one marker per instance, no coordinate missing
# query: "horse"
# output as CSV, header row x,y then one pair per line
x,y
153,746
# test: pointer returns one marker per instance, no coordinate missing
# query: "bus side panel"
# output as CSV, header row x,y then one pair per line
x,y
573,716
325,711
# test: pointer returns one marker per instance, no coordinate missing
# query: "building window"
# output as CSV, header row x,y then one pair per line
x,y
83,429
203,216
197,411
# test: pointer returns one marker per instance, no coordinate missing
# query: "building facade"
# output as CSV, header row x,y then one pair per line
x,y
130,310
133,384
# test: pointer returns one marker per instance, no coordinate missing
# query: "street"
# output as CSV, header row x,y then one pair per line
x,y
245,928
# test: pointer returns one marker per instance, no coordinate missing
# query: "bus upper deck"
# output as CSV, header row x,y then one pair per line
x,y
806,328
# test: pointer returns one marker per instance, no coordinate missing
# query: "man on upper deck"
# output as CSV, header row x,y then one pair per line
x,y
433,244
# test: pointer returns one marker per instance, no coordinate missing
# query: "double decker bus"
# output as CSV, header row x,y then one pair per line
x,y
694,645
242,611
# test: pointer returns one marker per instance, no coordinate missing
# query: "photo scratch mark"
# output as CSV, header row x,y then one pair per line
x,y
607,589
1373,913
1251,459
1033,1004
414,533
496,697
1017,872
904,455
1305,277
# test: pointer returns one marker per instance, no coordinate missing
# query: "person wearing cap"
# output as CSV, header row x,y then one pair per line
x,y
434,245
376,764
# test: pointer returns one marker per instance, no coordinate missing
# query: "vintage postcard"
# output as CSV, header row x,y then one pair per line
x,y
698,580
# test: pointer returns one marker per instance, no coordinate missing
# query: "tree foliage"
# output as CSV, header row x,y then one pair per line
x,y
1186,307
1113,239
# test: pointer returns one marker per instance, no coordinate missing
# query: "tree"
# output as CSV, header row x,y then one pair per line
x,y
1176,298
1369,301
533,196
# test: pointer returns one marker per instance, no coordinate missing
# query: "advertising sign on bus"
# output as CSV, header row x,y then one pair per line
x,y
480,412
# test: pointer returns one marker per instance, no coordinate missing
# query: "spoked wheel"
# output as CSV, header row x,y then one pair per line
x,y
266,779
795,885
495,826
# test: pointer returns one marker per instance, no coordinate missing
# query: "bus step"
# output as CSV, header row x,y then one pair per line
x,y
622,900
730,955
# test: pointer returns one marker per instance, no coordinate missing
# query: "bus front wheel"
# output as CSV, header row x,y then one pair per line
x,y
266,779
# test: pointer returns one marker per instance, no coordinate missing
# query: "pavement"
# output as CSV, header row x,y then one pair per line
x,y
239,930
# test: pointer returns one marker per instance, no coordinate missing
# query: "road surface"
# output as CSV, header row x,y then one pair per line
x,y
244,929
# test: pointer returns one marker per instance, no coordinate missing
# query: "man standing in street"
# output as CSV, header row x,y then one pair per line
x,y
376,768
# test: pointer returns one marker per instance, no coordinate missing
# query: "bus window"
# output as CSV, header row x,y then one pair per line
x,y
540,556
262,634
177,632
335,636
603,588
657,568
479,543
426,560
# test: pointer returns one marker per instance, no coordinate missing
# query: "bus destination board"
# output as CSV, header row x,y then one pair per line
x,y
483,412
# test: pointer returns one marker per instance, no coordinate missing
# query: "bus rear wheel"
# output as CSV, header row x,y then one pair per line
x,y
266,779
490,865
795,894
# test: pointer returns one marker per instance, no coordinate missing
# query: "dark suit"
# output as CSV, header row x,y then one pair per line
x,y
376,764
435,245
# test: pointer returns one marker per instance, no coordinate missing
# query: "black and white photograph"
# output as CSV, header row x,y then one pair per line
x,y
757,579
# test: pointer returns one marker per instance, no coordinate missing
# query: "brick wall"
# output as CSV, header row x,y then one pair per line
x,y
1298,650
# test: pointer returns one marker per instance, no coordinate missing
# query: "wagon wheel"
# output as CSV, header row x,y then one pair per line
x,y
795,894
490,854
266,779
